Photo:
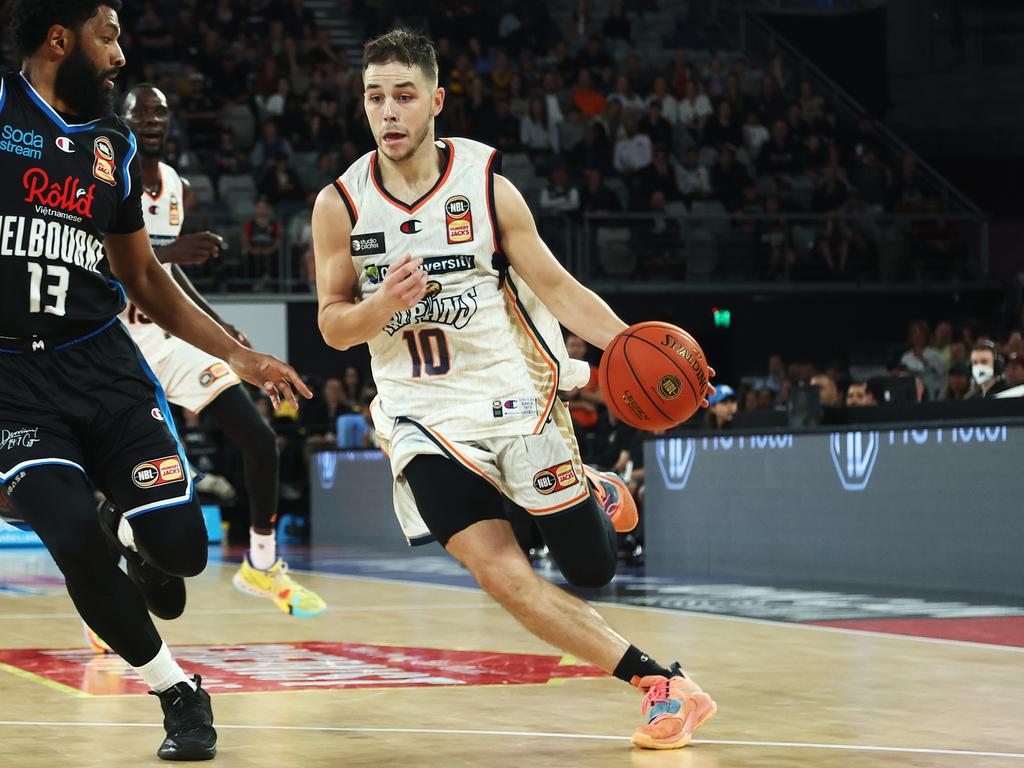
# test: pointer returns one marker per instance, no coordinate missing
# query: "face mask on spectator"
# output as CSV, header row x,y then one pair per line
x,y
982,373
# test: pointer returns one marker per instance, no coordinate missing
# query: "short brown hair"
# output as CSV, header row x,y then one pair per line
x,y
404,46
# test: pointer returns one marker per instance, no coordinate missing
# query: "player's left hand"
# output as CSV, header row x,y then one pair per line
x,y
710,391
272,376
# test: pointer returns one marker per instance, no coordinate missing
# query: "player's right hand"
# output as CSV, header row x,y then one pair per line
x,y
194,248
404,286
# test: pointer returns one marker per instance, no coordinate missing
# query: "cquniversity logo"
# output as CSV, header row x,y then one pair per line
x,y
326,461
854,454
675,460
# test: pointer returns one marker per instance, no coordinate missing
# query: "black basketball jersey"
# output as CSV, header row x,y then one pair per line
x,y
63,187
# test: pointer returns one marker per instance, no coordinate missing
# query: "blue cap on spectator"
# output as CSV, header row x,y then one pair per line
x,y
722,392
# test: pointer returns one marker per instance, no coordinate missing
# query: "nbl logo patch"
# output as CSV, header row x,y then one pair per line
x,y
459,219
211,374
150,474
103,167
556,478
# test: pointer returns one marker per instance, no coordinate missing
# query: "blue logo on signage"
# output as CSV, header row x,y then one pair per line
x,y
326,461
854,455
675,460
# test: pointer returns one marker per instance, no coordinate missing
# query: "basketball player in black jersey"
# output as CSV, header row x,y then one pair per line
x,y
77,404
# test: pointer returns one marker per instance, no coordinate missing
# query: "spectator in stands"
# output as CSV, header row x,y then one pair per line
x,y
723,128
560,196
872,179
860,236
907,193
857,394
595,196
593,58
812,106
632,102
830,193
765,399
460,78
503,128
281,185
776,255
728,179
770,104
538,135
669,103
692,177
616,26
732,93
958,382
479,111
228,158
798,130
942,337
722,408
320,416
554,106
518,104
613,121
714,77
695,109
594,151
655,126
988,379
778,157
153,35
658,176
500,76
201,113
755,135
271,144
682,73
1014,376
779,71
634,152
298,19
326,129
589,101
923,360
828,393
261,242
812,155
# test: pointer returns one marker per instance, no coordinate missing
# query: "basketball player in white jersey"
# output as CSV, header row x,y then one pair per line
x,y
425,252
192,378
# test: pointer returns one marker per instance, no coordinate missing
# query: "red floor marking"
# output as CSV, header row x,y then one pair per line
x,y
302,667
994,630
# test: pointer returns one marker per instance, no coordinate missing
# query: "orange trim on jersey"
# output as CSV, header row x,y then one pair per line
x,y
492,214
378,183
462,459
548,359
564,505
348,198
229,382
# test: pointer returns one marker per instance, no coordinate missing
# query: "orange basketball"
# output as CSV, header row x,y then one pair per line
x,y
653,375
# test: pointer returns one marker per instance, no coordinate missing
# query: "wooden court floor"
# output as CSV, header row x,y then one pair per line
x,y
787,695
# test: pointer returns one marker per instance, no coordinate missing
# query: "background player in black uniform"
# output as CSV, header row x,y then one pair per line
x,y
76,401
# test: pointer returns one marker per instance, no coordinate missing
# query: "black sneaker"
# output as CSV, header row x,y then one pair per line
x,y
164,594
188,720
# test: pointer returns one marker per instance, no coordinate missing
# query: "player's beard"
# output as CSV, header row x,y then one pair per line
x,y
415,145
79,84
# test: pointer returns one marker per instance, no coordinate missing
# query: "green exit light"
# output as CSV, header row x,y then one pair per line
x,y
723,317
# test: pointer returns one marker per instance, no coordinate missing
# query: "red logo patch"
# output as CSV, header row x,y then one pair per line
x,y
211,374
459,219
556,478
312,666
68,196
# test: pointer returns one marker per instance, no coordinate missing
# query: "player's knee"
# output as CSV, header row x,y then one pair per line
x,y
591,573
173,539
261,439
504,579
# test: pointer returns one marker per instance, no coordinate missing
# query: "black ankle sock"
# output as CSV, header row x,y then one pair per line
x,y
636,663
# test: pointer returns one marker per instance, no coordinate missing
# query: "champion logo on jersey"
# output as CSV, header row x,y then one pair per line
x,y
459,219
103,167
64,144
411,227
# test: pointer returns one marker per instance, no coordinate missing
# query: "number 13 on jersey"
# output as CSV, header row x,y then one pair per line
x,y
429,351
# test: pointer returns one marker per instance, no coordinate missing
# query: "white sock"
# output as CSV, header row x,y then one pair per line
x,y
163,671
262,550
126,535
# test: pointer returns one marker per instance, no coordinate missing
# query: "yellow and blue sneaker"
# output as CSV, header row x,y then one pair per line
x,y
277,586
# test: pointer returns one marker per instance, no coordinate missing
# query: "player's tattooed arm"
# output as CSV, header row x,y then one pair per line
x,y
344,319
154,292
574,305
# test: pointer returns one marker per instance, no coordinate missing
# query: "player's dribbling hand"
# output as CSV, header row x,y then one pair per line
x,y
272,376
404,286
710,389
195,248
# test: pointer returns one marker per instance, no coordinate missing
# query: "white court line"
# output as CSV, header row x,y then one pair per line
x,y
534,734
254,611
700,614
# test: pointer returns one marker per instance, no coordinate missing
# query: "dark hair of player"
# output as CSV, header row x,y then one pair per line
x,y
404,46
31,19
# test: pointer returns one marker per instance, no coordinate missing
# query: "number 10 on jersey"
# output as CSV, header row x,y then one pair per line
x,y
429,351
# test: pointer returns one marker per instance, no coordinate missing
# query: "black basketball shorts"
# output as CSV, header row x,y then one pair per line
x,y
94,406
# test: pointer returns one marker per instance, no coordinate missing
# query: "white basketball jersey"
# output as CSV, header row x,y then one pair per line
x,y
480,355
163,215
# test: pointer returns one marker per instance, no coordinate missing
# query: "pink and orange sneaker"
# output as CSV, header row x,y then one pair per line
x,y
614,497
675,707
